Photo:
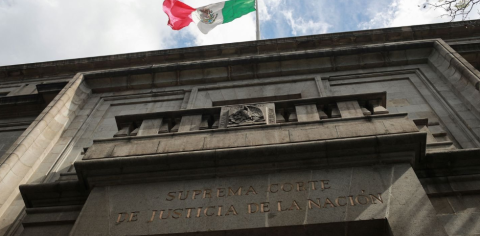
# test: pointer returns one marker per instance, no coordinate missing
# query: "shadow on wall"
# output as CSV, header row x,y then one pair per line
x,y
24,157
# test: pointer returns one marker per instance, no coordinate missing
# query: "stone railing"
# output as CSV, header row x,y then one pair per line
x,y
317,133
296,110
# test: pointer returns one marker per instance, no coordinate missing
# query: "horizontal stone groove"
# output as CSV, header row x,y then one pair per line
x,y
344,51
315,154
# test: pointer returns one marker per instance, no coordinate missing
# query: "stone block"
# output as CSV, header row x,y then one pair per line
x,y
311,134
190,123
418,55
163,79
215,74
336,112
150,127
99,150
135,148
436,185
322,114
279,116
96,206
307,113
225,141
140,81
306,65
350,109
410,211
239,72
372,60
223,119
465,183
430,137
348,62
194,143
461,224
292,116
266,138
397,58
20,169
194,76
355,130
400,126
164,128
347,197
442,205
269,69
366,112
204,124
271,117
465,204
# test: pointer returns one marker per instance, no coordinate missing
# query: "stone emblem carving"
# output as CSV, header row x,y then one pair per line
x,y
246,115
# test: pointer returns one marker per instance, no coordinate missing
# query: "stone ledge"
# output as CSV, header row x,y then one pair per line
x,y
51,87
260,66
58,194
381,149
22,99
450,163
51,218
381,96
22,158
329,129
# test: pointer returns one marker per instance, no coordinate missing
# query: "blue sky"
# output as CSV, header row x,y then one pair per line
x,y
47,30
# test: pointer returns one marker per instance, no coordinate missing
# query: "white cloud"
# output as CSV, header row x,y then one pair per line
x,y
45,30
408,12
267,7
60,29
303,27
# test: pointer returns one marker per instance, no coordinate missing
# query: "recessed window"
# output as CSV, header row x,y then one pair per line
x,y
3,94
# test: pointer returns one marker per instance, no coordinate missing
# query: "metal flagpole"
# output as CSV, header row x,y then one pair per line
x,y
258,20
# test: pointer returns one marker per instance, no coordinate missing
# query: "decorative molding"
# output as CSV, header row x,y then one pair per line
x,y
417,73
442,30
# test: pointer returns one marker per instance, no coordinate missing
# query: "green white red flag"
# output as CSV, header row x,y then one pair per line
x,y
207,17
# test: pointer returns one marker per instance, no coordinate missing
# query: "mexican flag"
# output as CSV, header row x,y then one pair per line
x,y
207,17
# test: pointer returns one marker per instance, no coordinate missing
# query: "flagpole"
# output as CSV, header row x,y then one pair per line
x,y
258,20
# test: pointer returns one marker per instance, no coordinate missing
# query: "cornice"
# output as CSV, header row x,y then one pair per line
x,y
451,30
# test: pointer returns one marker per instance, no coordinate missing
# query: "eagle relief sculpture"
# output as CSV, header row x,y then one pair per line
x,y
246,115
207,16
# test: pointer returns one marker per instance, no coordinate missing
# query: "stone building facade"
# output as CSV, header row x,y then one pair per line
x,y
361,133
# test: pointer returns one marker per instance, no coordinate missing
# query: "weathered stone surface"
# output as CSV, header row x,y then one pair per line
x,y
190,123
410,211
217,139
25,155
424,78
150,127
350,109
263,201
461,224
307,113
